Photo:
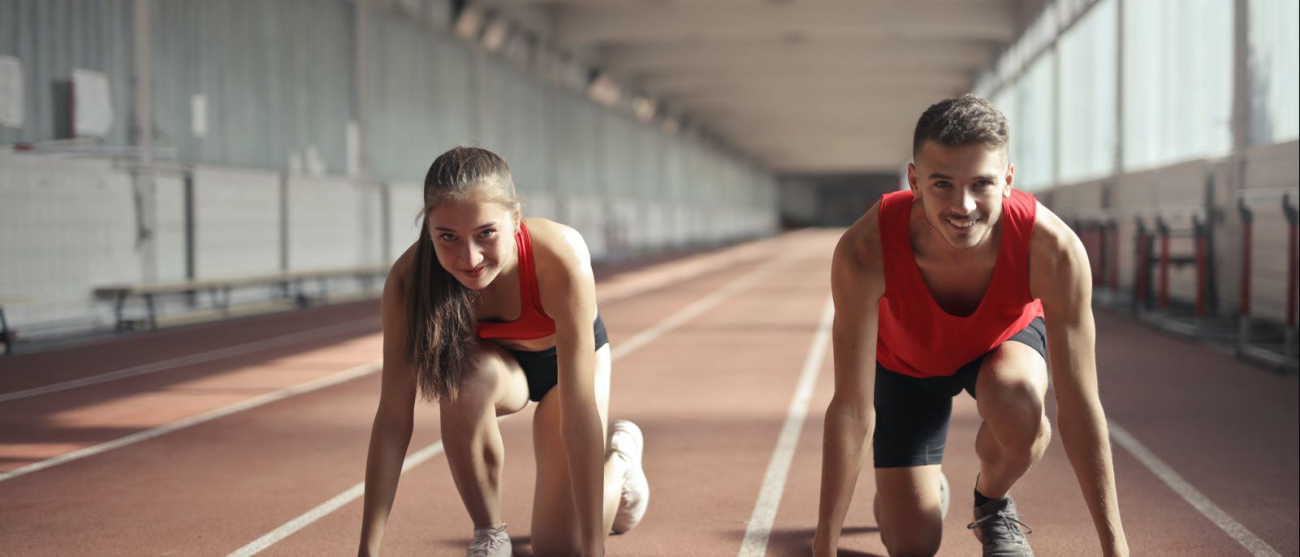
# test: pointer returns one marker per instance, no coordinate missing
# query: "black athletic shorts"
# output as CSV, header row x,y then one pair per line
x,y
912,413
540,367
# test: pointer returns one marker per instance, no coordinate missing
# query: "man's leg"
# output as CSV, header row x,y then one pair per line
x,y
911,429
1011,388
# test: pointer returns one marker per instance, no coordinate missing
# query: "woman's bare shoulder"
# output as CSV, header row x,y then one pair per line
x,y
556,243
395,282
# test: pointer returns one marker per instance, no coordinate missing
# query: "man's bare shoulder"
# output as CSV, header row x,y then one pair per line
x,y
859,247
858,255
1059,272
1053,243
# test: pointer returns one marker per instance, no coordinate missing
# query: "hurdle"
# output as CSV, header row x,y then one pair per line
x,y
1153,295
1254,341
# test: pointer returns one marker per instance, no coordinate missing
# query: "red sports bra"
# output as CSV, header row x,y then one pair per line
x,y
916,336
533,323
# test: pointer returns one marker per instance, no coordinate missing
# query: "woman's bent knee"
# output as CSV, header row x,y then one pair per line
x,y
554,546
484,383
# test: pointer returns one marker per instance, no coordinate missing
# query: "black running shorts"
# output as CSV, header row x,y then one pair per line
x,y
541,368
912,413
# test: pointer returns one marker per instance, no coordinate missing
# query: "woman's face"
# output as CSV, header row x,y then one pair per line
x,y
474,238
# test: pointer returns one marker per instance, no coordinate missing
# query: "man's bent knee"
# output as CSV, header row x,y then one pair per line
x,y
912,545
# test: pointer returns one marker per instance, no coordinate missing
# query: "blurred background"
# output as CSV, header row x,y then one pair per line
x,y
167,161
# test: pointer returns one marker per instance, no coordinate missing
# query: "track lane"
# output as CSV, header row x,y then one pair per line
x,y
197,485
43,422
40,428
1159,396
704,451
1228,428
24,371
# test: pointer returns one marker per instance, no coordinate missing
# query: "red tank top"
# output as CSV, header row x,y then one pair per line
x,y
533,323
920,339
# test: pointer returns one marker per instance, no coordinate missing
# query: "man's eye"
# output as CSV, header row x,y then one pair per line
x,y
944,185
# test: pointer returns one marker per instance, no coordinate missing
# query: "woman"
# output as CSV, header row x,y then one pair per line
x,y
484,313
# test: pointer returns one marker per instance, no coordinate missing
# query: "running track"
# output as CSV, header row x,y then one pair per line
x,y
265,422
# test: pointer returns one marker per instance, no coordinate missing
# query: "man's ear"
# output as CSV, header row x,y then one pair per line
x,y
911,179
1011,175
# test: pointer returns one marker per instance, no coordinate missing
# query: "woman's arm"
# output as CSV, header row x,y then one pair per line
x,y
391,434
568,291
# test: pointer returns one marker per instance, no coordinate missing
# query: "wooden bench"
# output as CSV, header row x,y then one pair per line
x,y
288,284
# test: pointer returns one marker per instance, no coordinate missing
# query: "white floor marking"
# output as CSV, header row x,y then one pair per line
x,y
331,380
623,349
695,309
1193,496
769,497
211,355
335,503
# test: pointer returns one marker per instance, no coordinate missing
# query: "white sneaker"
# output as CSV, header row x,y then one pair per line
x,y
490,542
945,493
626,440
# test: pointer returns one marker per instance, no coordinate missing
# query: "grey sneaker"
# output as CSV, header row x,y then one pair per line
x,y
998,527
490,542
626,440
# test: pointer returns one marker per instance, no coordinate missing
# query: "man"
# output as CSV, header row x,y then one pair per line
x,y
957,285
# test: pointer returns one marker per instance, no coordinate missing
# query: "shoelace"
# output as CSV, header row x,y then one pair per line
x,y
483,547
1007,519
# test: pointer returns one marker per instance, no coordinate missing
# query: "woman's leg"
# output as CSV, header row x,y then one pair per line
x,y
554,513
471,437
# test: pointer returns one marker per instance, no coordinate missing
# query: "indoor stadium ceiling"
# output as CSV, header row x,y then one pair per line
x,y
801,86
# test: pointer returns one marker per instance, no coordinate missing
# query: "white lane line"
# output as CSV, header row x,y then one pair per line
x,y
1193,496
627,347
211,355
335,503
769,497
696,309
697,266
341,377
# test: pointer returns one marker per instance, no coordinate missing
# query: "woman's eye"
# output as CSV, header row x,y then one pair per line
x,y
447,237
487,233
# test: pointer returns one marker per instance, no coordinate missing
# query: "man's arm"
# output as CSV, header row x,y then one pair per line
x,y
1061,277
857,283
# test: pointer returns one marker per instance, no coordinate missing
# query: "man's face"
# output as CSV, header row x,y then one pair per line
x,y
961,189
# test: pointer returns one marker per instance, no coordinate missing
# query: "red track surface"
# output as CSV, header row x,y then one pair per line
x,y
711,395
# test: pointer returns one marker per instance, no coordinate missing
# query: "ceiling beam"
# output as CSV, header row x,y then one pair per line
x,y
797,83
860,55
767,101
705,22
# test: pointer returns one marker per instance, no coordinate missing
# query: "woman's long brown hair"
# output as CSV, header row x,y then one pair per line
x,y
442,343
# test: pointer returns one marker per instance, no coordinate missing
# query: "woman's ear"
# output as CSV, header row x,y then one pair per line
x,y
518,221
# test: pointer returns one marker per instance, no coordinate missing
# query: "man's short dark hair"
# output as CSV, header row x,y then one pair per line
x,y
961,121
